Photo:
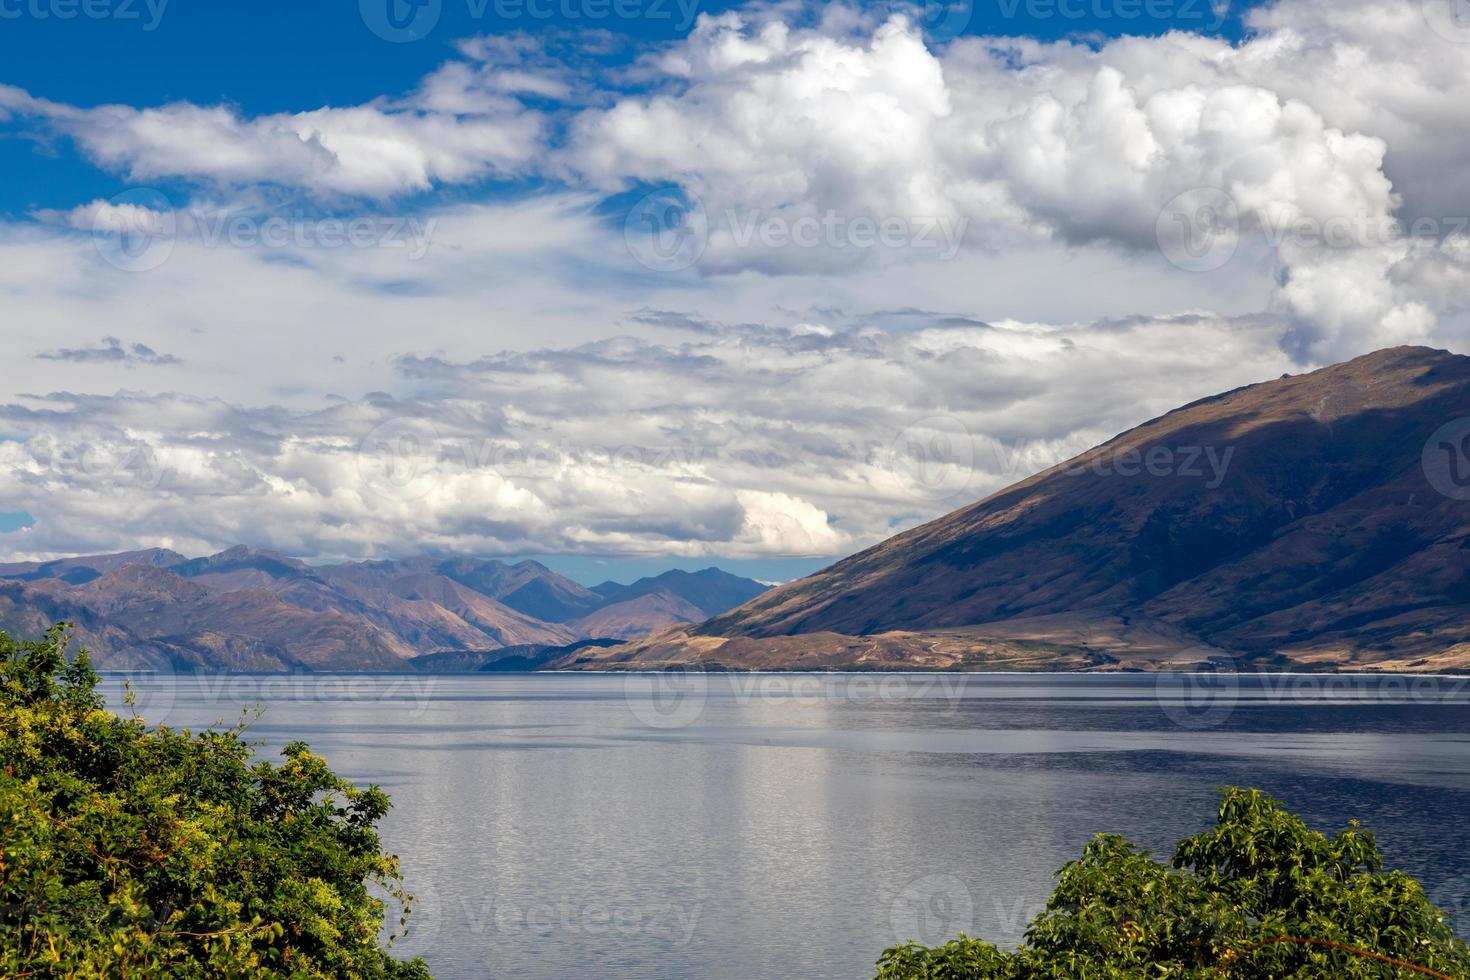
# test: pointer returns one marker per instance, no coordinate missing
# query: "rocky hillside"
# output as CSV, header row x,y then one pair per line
x,y
246,609
1314,520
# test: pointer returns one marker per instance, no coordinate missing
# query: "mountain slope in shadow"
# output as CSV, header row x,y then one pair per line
x,y
1318,520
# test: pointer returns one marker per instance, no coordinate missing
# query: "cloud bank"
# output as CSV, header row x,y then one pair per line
x,y
781,287
741,441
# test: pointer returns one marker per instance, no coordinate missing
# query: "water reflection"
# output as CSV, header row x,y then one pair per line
x,y
751,826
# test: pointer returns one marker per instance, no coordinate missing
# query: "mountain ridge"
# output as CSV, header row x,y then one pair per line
x,y
253,609
1323,543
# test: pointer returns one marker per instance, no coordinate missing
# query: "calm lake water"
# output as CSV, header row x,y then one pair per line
x,y
793,825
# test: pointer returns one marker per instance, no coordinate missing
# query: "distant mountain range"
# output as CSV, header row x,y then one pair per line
x,y
1319,520
246,609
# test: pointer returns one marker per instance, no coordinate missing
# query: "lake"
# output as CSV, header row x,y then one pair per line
x,y
747,826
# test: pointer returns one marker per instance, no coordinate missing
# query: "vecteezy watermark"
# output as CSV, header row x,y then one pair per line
x,y
138,230
116,464
1207,463
666,230
1207,697
678,698
1355,230
423,913
660,920
148,14
932,910
148,696
1198,230
409,694
413,916
938,457
397,458
946,19
833,230
669,230
413,235
157,697
1450,19
937,454
402,21
1207,15
939,20
1202,698
1446,459
667,699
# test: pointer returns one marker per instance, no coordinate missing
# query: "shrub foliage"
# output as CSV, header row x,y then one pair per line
x,y
129,851
1258,897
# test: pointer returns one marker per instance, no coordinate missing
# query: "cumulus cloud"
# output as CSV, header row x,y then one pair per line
x,y
1012,138
1136,222
377,150
743,440
834,144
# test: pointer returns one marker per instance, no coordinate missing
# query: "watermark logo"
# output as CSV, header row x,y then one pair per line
x,y
936,455
432,914
412,919
932,910
120,463
399,21
1200,699
397,458
147,13
1208,464
275,231
1446,459
145,695
680,13
667,699
1199,229
667,230
410,695
833,231
945,20
1205,15
136,230
670,230
1450,19
1355,229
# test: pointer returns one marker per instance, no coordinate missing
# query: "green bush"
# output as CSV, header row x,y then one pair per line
x,y
128,851
1258,897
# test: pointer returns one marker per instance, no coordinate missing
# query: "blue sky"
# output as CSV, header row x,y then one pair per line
x,y
282,56
622,288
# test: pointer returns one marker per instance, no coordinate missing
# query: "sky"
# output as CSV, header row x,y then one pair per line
x,y
634,284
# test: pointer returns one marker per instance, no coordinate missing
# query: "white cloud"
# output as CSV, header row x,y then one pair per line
x,y
376,150
1023,139
741,441
805,144
770,398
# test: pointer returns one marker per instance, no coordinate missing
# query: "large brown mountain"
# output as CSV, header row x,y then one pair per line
x,y
1319,519
247,609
